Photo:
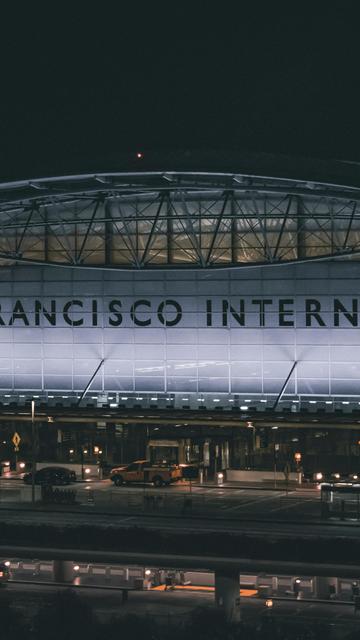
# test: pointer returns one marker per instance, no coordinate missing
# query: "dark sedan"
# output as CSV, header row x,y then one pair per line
x,y
51,476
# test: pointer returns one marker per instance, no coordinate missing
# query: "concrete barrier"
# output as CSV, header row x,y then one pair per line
x,y
241,475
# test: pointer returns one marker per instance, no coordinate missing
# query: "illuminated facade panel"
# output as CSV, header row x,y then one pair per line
x,y
231,331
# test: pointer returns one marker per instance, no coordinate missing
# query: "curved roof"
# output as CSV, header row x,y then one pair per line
x,y
147,218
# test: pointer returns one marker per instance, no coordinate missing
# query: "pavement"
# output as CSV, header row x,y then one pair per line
x,y
230,501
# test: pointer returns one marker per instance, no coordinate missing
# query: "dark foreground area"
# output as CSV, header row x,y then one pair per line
x,y
65,614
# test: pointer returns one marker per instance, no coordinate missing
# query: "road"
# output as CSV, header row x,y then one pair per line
x,y
255,523
220,502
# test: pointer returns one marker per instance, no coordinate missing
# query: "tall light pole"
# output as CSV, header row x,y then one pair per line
x,y
251,426
33,464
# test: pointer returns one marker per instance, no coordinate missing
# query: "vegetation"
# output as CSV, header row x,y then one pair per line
x,y
67,616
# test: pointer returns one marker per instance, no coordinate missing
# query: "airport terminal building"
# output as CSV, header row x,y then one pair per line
x,y
163,311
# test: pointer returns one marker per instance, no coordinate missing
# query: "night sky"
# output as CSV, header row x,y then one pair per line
x,y
80,85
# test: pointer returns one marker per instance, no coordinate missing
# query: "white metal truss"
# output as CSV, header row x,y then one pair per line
x,y
153,220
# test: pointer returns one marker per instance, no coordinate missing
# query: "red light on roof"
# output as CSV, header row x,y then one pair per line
x,y
139,155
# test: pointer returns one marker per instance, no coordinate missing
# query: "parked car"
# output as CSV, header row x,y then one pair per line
x,y
4,573
144,472
51,475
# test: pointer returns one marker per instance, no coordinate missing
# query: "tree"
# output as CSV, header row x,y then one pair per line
x,y
65,617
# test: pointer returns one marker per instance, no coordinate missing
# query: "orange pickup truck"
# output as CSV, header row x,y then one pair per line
x,y
143,471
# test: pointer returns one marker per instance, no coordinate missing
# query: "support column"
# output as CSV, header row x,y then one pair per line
x,y
227,594
63,570
110,442
324,587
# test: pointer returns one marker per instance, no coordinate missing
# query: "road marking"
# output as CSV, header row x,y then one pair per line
x,y
247,503
295,504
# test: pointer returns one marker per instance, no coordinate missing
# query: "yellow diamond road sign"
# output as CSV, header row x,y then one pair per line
x,y
16,439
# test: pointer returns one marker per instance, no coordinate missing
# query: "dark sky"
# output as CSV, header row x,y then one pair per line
x,y
79,83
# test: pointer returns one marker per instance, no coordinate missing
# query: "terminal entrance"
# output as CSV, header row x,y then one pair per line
x,y
318,452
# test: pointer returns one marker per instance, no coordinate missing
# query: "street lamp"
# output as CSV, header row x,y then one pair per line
x,y
296,587
250,425
33,463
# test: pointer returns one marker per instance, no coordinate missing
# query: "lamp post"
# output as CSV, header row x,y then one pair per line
x,y
33,463
82,461
297,458
250,425
276,450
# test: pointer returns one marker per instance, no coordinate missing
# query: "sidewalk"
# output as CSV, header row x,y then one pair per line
x,y
267,485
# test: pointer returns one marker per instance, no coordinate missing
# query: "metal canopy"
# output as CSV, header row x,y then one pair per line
x,y
152,220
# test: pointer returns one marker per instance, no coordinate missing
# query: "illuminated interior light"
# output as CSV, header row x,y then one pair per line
x,y
244,407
